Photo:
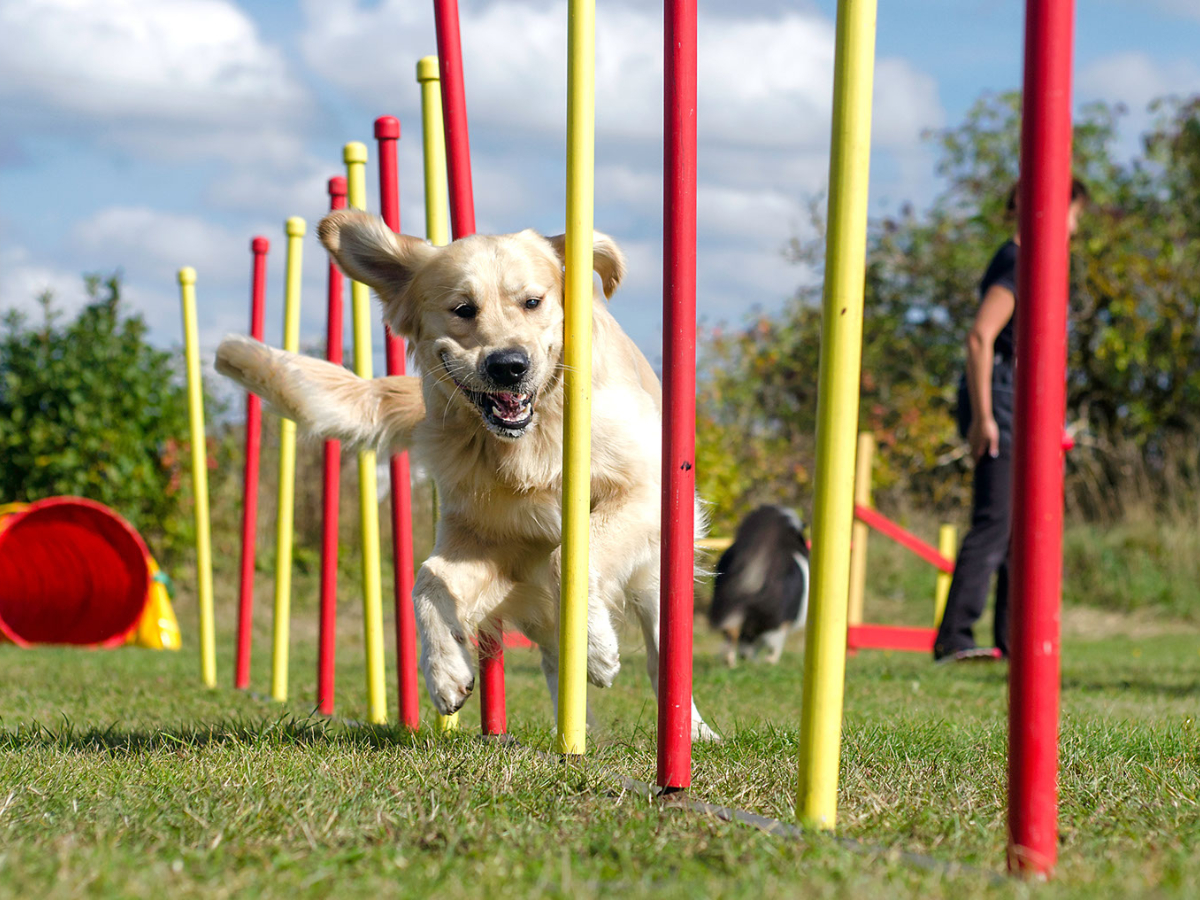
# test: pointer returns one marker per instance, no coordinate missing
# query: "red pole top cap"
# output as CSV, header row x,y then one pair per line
x,y
259,245
337,186
387,128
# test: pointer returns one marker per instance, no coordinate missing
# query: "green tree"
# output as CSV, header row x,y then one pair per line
x,y
1134,387
89,408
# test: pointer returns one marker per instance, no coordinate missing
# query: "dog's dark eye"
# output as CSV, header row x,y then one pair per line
x,y
533,302
465,311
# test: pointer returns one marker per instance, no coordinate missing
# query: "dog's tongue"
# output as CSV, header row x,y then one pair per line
x,y
509,405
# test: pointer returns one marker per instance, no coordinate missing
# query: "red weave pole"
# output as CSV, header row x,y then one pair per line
x,y
462,223
332,485
454,117
387,134
258,291
1036,558
903,537
679,397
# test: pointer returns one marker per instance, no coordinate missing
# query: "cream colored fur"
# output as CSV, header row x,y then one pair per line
x,y
498,542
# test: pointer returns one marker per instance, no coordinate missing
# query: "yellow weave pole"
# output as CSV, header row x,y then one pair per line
x,y
285,510
577,359
860,534
355,156
837,415
191,343
948,547
437,204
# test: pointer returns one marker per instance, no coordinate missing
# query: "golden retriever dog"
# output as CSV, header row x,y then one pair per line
x,y
484,321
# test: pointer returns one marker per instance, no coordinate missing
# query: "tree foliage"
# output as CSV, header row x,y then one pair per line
x,y
89,408
1134,384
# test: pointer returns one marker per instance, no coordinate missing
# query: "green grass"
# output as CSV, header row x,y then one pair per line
x,y
121,776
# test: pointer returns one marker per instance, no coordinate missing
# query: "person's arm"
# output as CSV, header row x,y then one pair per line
x,y
994,313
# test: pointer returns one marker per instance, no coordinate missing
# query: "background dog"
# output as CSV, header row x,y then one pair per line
x,y
761,588
484,321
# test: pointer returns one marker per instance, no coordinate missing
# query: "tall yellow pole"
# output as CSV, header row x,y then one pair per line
x,y
355,156
285,511
437,220
837,414
577,359
191,343
860,534
948,547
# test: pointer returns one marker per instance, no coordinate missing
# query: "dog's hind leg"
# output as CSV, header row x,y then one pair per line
x,y
773,642
646,604
550,671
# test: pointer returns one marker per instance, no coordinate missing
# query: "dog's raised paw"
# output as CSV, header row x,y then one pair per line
x,y
602,668
239,357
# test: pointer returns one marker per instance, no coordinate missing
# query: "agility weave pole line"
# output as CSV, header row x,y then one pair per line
x,y
191,342
837,415
387,133
258,289
679,397
462,217
577,378
285,511
355,156
437,226
331,483
1036,558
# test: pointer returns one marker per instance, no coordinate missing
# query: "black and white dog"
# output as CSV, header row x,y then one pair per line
x,y
761,587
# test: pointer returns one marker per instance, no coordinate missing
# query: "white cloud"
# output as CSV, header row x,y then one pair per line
x,y
185,78
1135,79
1189,9
764,80
23,279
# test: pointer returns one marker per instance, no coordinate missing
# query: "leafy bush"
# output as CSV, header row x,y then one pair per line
x,y
89,408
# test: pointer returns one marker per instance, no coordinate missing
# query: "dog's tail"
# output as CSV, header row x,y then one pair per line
x,y
325,399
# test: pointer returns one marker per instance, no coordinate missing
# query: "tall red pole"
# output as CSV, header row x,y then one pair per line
x,y
332,486
1036,564
679,396
258,289
454,117
462,221
387,133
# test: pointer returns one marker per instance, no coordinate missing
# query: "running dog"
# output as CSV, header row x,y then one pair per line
x,y
484,321
761,588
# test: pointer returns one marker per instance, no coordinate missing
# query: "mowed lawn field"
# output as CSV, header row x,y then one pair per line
x,y
121,776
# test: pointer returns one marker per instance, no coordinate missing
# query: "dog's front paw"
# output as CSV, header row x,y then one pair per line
x,y
449,678
243,359
701,732
603,666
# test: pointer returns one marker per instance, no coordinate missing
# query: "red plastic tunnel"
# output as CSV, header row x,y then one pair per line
x,y
72,571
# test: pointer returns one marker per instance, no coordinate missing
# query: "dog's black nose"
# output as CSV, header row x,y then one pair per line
x,y
506,368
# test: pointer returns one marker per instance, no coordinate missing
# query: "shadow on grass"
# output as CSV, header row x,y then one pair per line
x,y
1144,686
286,730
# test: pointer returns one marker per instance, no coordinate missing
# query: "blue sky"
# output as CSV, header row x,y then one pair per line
x,y
151,135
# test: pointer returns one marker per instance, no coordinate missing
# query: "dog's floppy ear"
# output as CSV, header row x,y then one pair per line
x,y
370,252
607,259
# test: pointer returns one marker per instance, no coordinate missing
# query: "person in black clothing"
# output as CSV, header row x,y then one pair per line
x,y
985,419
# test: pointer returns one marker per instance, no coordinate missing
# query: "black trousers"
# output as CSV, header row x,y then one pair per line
x,y
984,551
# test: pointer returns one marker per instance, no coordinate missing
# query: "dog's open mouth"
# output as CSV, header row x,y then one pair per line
x,y
506,413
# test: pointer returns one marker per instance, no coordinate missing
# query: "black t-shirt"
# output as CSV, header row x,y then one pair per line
x,y
1002,270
